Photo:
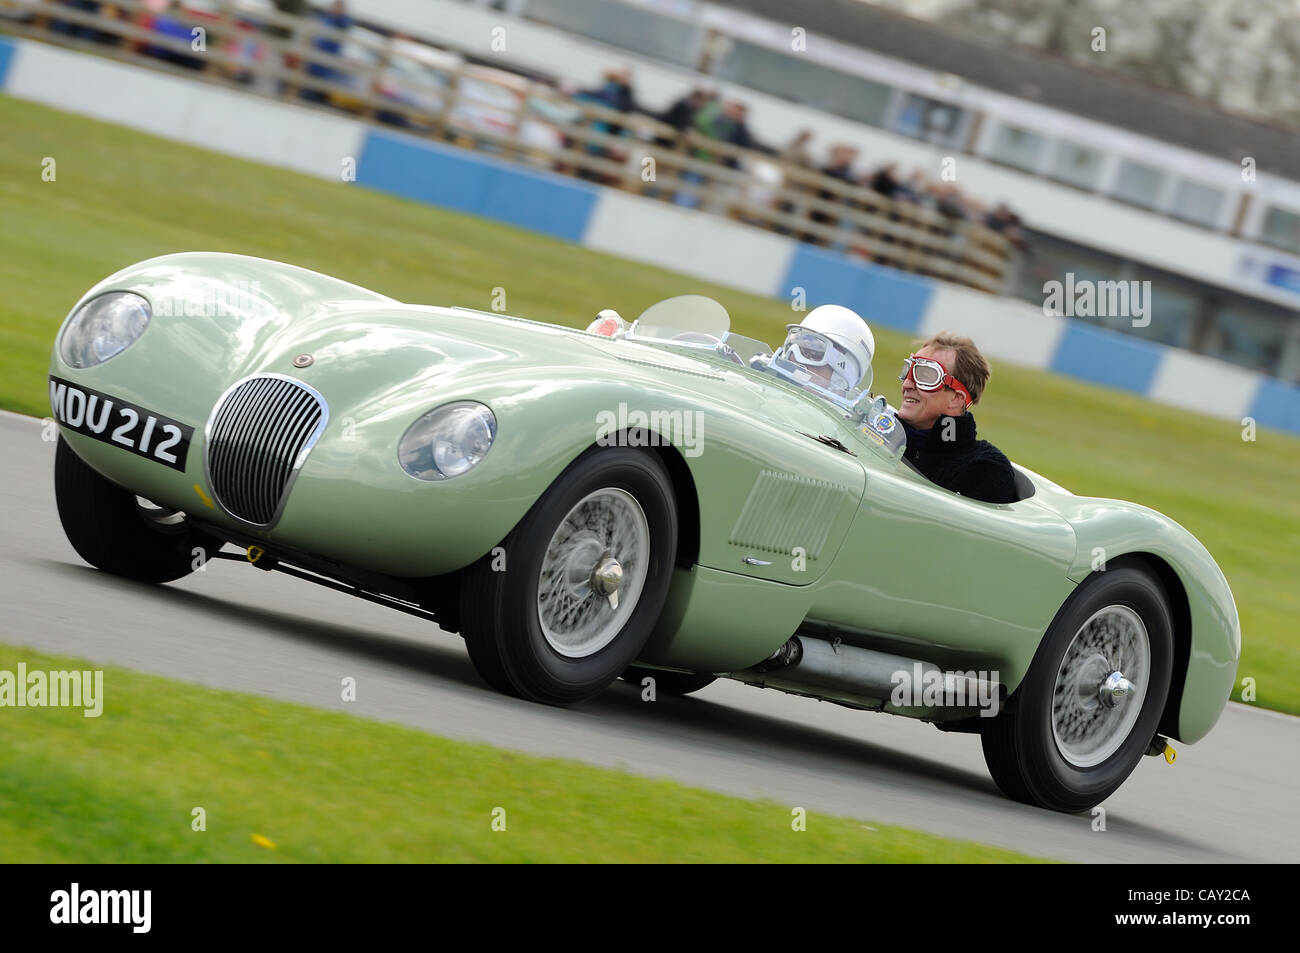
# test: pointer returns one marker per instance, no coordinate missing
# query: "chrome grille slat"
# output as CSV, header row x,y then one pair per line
x,y
301,414
223,466
256,453
256,436
249,446
242,442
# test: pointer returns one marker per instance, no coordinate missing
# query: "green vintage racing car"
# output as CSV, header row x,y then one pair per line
x,y
656,500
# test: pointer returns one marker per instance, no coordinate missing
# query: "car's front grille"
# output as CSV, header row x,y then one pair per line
x,y
257,440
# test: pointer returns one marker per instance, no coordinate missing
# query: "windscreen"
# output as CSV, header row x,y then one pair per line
x,y
689,319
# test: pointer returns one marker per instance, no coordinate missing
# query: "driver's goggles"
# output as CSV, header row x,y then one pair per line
x,y
813,349
812,346
930,375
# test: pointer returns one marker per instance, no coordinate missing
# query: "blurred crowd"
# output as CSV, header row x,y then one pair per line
x,y
792,183
713,117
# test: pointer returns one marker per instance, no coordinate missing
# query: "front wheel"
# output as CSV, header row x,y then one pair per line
x,y
584,578
1091,702
118,532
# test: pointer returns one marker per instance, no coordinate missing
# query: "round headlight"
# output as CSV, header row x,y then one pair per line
x,y
103,327
447,441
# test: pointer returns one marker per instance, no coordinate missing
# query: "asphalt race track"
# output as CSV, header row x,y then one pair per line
x,y
1229,798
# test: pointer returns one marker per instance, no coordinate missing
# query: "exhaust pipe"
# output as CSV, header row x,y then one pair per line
x,y
805,663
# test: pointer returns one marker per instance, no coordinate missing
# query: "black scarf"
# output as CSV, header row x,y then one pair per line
x,y
950,455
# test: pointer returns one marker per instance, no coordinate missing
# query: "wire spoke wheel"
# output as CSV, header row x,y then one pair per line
x,y
593,572
1100,686
588,574
1093,698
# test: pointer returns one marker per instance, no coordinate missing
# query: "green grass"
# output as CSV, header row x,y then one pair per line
x,y
328,787
121,196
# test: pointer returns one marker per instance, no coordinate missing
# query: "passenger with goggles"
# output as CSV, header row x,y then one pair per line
x,y
929,376
940,382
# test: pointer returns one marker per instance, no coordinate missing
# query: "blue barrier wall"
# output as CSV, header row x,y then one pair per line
x,y
881,295
466,182
1277,405
7,48
1106,357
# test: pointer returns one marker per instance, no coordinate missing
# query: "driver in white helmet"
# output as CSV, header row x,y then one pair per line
x,y
830,349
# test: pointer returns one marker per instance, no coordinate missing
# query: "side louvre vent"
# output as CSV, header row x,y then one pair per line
x,y
784,510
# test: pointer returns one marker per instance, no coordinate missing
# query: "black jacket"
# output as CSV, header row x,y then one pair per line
x,y
971,467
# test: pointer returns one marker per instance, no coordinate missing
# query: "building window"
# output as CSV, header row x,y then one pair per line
x,y
1139,184
1281,229
803,80
930,120
1250,336
1076,165
1018,148
1194,202
1173,309
641,31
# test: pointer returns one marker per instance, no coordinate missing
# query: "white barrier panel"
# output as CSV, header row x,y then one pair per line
x,y
694,243
1003,328
1204,385
226,121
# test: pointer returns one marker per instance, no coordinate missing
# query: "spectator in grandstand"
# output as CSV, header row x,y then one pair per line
x,y
169,23
1007,223
798,154
293,8
710,121
914,190
885,181
83,31
681,114
615,92
732,125
336,17
950,203
940,382
839,166
796,151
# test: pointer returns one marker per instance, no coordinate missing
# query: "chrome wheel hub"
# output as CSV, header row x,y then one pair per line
x,y
1100,686
593,572
607,579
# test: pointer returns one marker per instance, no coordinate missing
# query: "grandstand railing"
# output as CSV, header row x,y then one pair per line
x,y
522,120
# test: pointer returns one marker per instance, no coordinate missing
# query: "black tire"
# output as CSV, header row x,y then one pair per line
x,y
670,683
1020,746
109,530
500,616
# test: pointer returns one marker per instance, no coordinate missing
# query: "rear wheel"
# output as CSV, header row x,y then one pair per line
x,y
585,576
119,532
1091,702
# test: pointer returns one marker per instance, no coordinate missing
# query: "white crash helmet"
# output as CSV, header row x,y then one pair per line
x,y
835,336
